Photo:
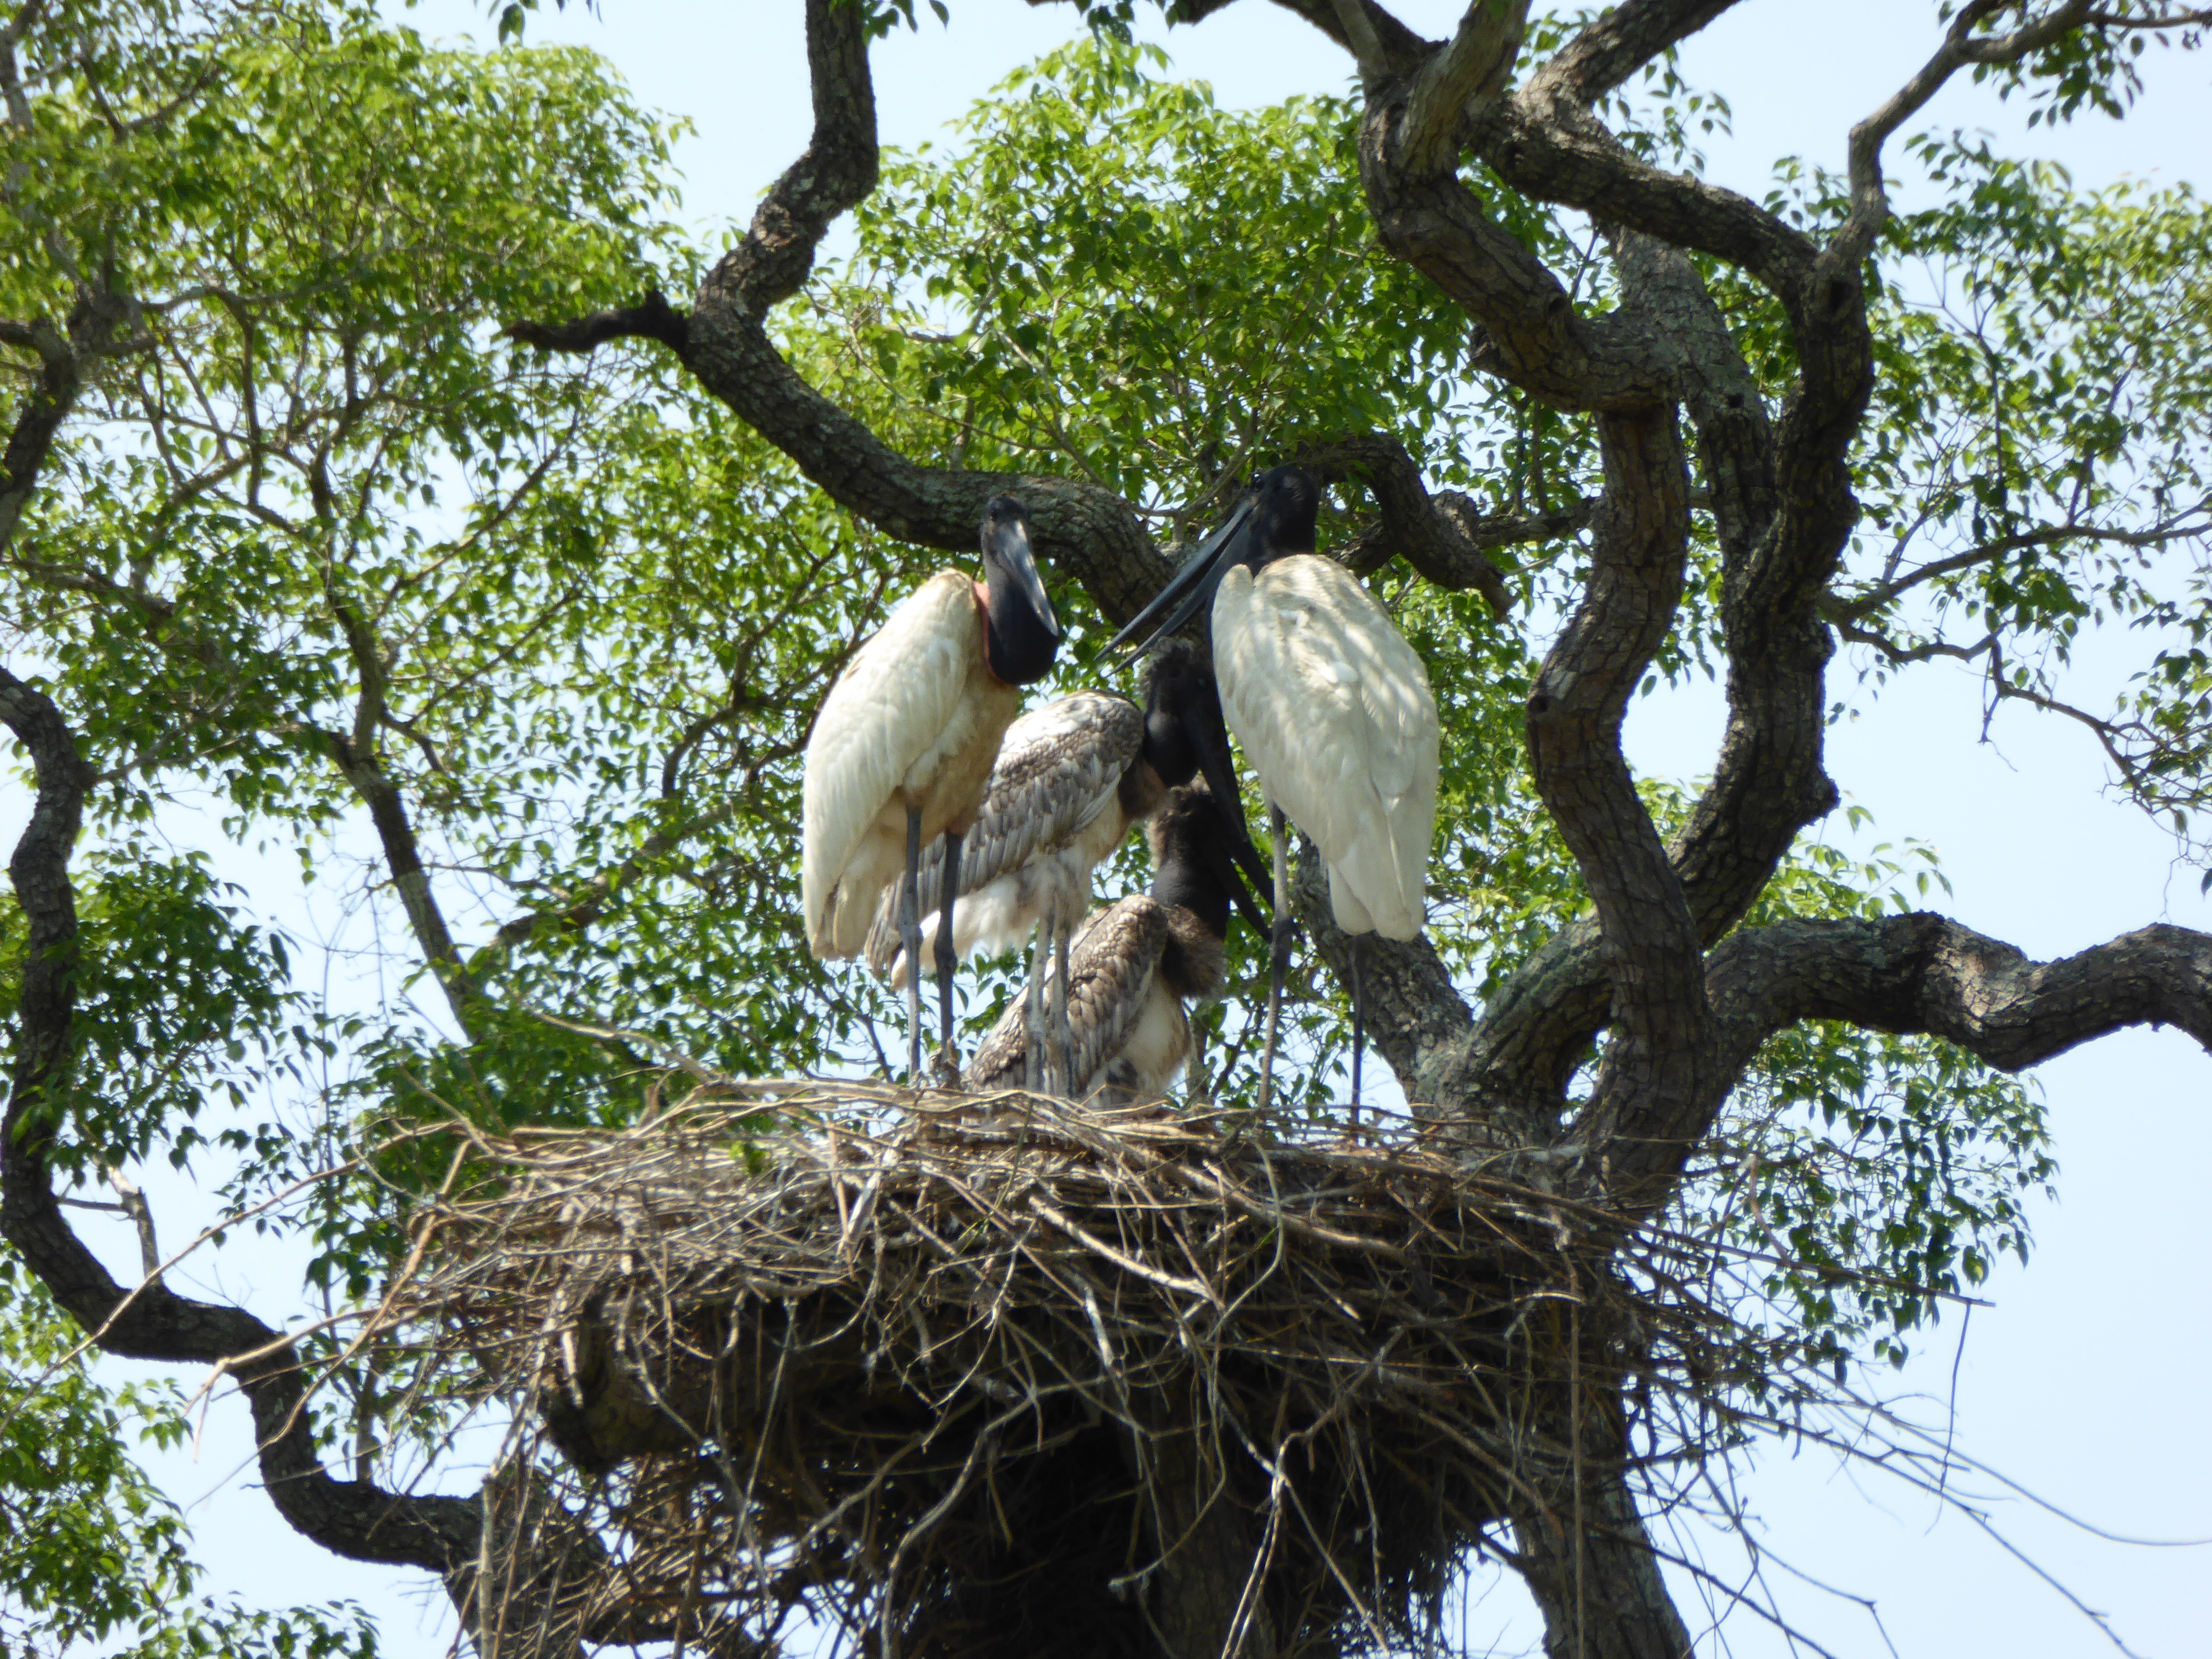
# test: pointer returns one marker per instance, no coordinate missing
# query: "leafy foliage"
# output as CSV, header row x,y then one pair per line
x,y
91,1550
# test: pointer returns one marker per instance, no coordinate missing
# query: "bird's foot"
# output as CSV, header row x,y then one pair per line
x,y
945,1070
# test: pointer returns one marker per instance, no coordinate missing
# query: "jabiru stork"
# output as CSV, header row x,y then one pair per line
x,y
1141,960
1331,708
901,750
1071,779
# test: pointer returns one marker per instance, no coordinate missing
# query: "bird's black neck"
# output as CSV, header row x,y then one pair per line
x,y
1017,643
1188,882
1168,748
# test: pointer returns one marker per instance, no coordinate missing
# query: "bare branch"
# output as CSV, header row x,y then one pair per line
x,y
351,1518
1961,47
1926,973
1865,602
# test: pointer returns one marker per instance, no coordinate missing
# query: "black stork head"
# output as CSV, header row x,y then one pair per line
x,y
1021,636
1194,839
1186,734
1276,519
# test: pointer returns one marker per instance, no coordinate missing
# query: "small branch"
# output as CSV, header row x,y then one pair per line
x,y
1837,608
134,1205
1961,47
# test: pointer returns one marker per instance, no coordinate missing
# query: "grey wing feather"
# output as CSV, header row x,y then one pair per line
x,y
1111,970
1058,769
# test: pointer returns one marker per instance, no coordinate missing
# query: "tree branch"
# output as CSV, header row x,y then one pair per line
x,y
1085,532
1923,973
1452,86
1854,607
1440,537
352,1518
1652,1080
1626,37
652,318
1961,47
1393,50
1417,1018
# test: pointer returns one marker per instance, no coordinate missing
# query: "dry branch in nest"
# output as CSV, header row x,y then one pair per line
x,y
1004,1375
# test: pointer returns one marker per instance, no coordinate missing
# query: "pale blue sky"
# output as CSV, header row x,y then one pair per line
x,y
2085,1381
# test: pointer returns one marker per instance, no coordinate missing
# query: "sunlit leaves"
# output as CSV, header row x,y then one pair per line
x,y
91,1552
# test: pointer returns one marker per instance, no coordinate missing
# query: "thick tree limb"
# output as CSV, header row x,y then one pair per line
x,y
1651,1084
1626,37
1469,74
1085,533
1442,535
1588,1561
1529,331
40,418
1926,973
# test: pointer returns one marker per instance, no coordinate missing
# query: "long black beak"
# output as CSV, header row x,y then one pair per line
x,y
1221,782
1194,584
1007,546
1246,904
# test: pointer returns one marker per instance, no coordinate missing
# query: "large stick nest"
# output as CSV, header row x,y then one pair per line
x,y
1010,1375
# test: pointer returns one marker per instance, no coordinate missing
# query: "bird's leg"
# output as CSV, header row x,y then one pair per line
x,y
1063,927
1359,1032
910,932
948,961
1033,1067
1279,952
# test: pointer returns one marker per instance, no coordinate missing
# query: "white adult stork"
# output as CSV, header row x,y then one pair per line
x,y
1334,710
1140,961
1072,777
901,750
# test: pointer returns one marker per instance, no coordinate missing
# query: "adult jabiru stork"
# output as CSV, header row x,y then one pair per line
x,y
1141,960
1332,709
901,750
1071,779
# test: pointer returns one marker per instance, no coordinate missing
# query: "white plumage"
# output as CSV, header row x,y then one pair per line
x,y
1334,711
915,720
